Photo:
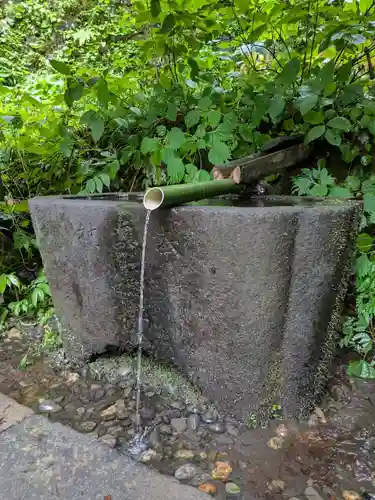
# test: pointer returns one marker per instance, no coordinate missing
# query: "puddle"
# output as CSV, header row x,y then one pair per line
x,y
278,462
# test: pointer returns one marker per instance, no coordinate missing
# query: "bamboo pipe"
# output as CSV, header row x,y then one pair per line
x,y
165,196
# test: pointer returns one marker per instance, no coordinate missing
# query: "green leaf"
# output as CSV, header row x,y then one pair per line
x,y
192,118
155,8
362,265
175,170
168,24
60,66
73,92
172,112
369,202
371,127
98,184
190,172
319,190
306,103
314,133
175,138
202,176
90,186
3,283
340,192
289,73
213,118
204,103
97,128
333,137
246,132
364,242
224,132
194,68
277,107
105,180
219,153
242,5
314,117
149,145
102,92
340,123
361,369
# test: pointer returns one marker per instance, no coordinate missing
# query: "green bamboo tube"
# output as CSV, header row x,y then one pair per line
x,y
165,196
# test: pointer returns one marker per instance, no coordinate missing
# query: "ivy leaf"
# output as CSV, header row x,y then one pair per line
x,y
333,137
314,133
155,8
277,107
306,103
340,123
319,190
90,186
364,242
192,118
175,170
105,180
98,184
149,145
290,72
219,153
82,36
213,118
175,138
340,192
369,202
171,112
60,66
314,117
168,24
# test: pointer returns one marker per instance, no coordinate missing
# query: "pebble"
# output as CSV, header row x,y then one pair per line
x,y
208,488
14,333
166,430
184,454
155,440
49,406
223,439
197,409
275,443
87,426
178,424
217,427
81,410
209,416
312,494
109,440
109,413
147,414
147,456
177,405
98,395
351,495
193,422
232,430
276,485
186,471
232,489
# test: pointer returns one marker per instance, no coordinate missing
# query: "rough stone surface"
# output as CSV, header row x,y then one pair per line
x,y
11,413
244,298
46,461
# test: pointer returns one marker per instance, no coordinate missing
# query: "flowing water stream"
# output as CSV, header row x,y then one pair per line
x,y
137,446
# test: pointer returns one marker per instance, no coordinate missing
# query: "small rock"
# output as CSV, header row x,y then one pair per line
x,y
232,430
319,413
276,485
109,413
49,406
208,488
81,410
224,439
147,456
177,405
275,443
217,427
193,422
155,440
59,400
184,454
98,395
195,409
221,471
232,489
203,455
14,334
87,426
84,371
95,387
282,431
166,430
351,495
109,440
209,416
179,424
147,414
186,471
312,494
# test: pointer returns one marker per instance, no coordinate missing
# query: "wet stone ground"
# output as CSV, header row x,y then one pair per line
x,y
330,457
